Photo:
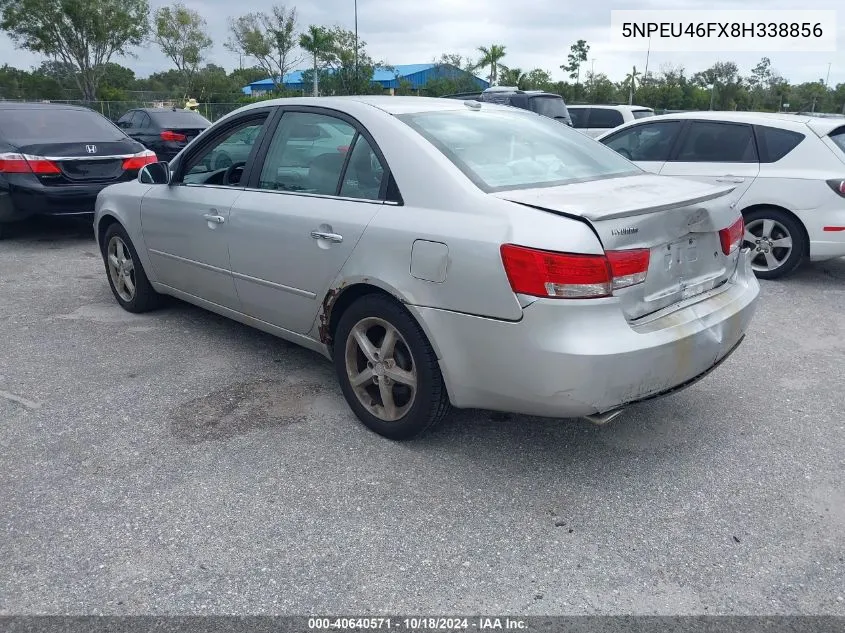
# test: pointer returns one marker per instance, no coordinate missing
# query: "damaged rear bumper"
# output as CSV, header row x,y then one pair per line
x,y
583,358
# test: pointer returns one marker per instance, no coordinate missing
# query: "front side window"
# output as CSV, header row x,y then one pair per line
x,y
502,150
708,142
208,166
307,154
647,142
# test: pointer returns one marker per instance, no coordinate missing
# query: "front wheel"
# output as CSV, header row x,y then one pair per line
x,y
126,275
777,242
387,369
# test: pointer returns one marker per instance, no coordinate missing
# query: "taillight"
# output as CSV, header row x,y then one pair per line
x,y
838,185
572,276
731,237
175,137
139,160
26,164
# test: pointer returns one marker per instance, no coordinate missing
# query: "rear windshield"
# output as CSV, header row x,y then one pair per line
x,y
641,114
180,118
57,125
838,137
501,150
550,107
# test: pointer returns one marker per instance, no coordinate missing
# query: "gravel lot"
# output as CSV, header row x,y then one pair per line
x,y
178,462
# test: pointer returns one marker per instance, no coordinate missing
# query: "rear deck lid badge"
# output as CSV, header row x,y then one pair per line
x,y
91,149
628,230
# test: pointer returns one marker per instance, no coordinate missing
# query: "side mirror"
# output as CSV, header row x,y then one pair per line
x,y
155,174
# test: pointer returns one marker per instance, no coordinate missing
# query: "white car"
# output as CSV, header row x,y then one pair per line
x,y
788,173
595,120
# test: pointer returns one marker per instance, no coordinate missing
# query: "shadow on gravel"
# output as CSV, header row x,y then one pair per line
x,y
55,232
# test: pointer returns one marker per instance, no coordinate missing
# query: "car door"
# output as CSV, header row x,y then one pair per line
x,y
718,152
649,145
186,224
302,215
603,119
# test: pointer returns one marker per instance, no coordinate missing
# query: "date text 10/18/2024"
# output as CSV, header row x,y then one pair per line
x,y
416,624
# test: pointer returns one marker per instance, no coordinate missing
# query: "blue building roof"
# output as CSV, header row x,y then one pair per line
x,y
417,74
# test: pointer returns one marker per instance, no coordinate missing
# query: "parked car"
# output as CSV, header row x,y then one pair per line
x,y
166,131
544,103
788,174
595,120
55,159
458,253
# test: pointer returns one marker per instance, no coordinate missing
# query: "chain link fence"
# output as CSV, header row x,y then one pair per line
x,y
115,109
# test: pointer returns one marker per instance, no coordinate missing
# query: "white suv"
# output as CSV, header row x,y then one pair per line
x,y
787,171
594,120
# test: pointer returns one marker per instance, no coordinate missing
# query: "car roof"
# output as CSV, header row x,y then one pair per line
x,y
819,125
38,105
389,104
610,106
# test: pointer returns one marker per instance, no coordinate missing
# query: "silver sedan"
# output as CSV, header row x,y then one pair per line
x,y
441,253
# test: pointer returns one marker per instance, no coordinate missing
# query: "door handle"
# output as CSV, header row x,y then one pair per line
x,y
732,179
213,217
329,237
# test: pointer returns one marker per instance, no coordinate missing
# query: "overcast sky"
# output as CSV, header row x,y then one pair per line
x,y
537,33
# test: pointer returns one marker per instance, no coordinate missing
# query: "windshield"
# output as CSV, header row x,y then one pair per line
x,y
641,114
57,125
180,118
550,107
501,150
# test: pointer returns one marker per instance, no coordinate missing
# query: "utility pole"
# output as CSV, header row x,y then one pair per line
x,y
826,79
356,46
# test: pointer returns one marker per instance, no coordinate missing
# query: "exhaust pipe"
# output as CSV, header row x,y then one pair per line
x,y
601,419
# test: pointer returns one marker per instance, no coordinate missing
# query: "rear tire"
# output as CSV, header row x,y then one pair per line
x,y
387,369
778,242
127,279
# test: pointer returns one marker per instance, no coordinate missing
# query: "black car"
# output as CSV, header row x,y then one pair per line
x,y
166,131
55,159
543,103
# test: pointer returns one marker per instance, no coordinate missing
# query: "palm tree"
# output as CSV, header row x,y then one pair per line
x,y
317,41
631,80
491,57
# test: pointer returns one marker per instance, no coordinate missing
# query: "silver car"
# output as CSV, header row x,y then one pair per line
x,y
445,253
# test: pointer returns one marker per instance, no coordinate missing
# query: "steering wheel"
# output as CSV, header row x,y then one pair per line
x,y
624,152
230,170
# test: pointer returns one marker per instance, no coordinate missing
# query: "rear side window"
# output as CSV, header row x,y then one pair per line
x,y
579,116
838,137
708,142
775,143
605,118
57,125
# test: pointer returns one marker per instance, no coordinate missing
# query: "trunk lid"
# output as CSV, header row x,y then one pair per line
x,y
677,220
84,162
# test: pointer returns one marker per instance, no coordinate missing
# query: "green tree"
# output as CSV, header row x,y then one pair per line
x,y
349,68
452,73
83,33
491,57
577,55
538,79
631,84
318,41
513,77
270,39
181,35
